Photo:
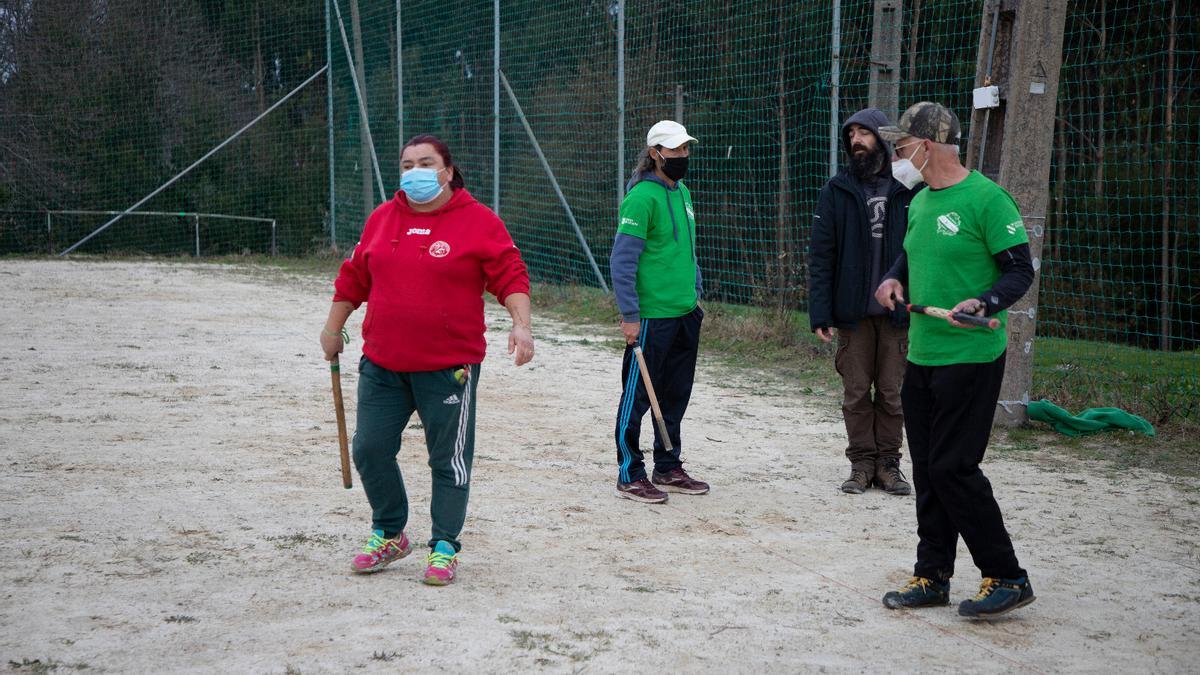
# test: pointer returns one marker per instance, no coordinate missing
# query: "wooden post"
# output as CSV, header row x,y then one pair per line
x,y
1022,42
884,90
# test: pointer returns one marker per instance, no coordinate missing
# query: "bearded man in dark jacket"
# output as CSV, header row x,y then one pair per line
x,y
858,232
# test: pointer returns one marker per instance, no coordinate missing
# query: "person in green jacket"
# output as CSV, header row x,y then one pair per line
x,y
657,285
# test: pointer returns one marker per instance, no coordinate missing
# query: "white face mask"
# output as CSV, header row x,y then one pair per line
x,y
904,171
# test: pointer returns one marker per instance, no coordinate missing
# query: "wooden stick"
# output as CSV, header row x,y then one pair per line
x,y
662,424
335,372
961,317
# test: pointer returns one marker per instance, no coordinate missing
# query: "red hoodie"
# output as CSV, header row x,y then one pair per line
x,y
422,276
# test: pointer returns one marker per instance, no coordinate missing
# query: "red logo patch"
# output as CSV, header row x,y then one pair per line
x,y
439,249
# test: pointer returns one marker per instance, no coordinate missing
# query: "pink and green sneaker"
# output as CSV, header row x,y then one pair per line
x,y
380,552
440,564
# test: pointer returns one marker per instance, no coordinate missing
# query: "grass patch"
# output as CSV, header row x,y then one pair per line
x,y
1174,451
1163,387
593,643
301,539
40,666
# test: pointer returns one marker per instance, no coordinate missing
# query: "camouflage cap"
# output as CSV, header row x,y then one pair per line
x,y
928,120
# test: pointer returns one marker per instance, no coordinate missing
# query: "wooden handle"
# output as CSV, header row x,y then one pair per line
x,y
335,372
961,317
662,424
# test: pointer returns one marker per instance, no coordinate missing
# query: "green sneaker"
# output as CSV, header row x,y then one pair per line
x,y
918,592
996,597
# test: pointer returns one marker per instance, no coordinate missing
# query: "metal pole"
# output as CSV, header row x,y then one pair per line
x,y
329,125
197,219
400,84
620,102
198,162
835,68
362,102
49,239
987,81
679,103
496,106
179,214
553,181
274,246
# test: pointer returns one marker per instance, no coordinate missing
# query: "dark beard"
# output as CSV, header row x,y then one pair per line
x,y
866,165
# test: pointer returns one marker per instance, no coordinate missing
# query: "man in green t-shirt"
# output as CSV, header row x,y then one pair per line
x,y
965,250
657,285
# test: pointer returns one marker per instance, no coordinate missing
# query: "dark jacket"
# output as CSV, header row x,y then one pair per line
x,y
839,274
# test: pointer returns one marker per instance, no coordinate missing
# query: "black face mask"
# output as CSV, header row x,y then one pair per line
x,y
674,167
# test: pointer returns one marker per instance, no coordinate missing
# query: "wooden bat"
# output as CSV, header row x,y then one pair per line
x,y
961,317
662,424
335,372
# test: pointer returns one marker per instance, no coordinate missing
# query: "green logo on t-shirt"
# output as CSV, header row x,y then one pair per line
x,y
949,224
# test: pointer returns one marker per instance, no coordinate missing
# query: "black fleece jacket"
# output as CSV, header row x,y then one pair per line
x,y
839,261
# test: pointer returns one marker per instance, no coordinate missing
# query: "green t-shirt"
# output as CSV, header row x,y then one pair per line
x,y
666,275
952,235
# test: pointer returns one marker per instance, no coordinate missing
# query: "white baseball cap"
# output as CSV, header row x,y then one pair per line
x,y
669,134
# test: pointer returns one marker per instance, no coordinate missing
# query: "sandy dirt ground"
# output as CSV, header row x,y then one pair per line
x,y
170,501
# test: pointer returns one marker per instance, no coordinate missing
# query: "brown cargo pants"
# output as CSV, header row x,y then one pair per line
x,y
871,358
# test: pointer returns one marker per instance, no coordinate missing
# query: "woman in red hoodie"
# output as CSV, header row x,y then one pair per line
x,y
423,262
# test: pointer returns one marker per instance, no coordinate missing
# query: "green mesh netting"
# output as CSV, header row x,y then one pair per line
x,y
101,103
99,108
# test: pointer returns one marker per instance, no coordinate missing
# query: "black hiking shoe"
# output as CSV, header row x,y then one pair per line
x,y
918,592
996,597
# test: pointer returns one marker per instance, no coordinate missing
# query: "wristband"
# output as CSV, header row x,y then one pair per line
x,y
345,335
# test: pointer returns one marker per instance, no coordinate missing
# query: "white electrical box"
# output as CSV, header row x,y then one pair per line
x,y
987,97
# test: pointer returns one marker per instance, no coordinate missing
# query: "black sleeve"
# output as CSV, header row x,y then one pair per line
x,y
822,259
1016,276
898,270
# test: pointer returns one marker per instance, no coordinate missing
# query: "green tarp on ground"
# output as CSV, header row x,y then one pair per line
x,y
1089,421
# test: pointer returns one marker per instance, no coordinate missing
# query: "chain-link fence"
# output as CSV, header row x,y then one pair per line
x,y
764,85
98,109
102,103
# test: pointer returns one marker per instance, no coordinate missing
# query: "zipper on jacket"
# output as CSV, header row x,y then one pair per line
x,y
671,212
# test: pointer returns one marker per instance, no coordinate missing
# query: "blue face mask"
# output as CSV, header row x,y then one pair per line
x,y
421,184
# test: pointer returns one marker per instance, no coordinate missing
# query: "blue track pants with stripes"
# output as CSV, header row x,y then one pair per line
x,y
670,347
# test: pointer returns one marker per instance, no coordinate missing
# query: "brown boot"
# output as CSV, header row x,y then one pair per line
x,y
860,478
889,478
